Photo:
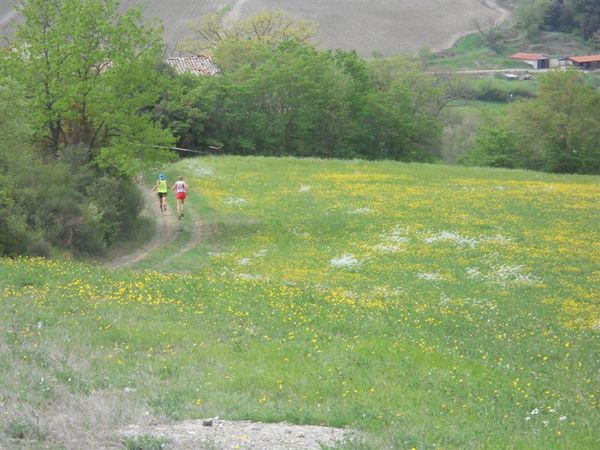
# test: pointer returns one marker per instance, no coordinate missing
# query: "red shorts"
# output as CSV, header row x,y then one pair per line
x,y
180,196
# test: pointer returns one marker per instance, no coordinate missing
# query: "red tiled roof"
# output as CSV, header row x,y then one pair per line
x,y
584,59
529,56
200,65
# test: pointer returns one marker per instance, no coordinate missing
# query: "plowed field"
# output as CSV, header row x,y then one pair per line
x,y
387,27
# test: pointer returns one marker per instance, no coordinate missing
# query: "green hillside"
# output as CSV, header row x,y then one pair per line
x,y
428,306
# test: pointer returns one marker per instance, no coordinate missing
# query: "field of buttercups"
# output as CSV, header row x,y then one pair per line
x,y
429,306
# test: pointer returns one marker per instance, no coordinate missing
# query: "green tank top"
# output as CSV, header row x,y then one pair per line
x,y
162,186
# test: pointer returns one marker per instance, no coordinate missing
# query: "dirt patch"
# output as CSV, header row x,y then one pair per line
x,y
220,434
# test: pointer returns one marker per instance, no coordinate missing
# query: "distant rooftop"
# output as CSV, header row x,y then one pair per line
x,y
199,65
529,56
585,59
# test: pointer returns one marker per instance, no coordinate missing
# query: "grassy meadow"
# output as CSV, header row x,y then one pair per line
x,y
428,306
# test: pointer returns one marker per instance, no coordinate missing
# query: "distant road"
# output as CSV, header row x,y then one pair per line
x,y
489,71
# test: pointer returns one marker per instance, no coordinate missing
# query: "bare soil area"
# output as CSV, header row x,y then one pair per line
x,y
220,434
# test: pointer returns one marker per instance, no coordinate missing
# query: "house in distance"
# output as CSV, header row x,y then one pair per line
x,y
536,60
197,65
588,62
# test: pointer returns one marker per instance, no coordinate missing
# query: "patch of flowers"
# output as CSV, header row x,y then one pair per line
x,y
505,275
234,201
345,261
360,211
430,276
452,237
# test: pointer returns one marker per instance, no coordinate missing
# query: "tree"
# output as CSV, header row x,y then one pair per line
x,y
267,27
561,127
558,131
532,15
15,160
89,71
569,15
490,34
494,146
289,99
405,108
586,14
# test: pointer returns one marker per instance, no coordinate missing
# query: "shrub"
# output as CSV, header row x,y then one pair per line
x,y
493,90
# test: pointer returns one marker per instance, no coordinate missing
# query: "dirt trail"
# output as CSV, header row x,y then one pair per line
x,y
236,12
168,229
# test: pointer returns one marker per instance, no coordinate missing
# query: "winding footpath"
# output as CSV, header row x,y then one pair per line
x,y
167,231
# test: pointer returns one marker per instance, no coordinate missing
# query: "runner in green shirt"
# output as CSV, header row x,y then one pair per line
x,y
162,188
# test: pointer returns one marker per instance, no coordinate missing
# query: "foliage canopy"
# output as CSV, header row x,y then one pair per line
x,y
88,70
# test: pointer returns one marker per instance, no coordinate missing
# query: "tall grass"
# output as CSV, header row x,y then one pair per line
x,y
428,306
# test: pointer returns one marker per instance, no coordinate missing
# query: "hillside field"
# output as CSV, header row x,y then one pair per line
x,y
428,306
382,26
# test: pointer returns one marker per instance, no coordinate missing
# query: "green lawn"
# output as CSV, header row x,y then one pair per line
x,y
429,306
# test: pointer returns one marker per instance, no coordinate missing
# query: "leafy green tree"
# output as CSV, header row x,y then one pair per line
x,y
15,160
531,16
290,101
89,71
495,146
569,15
561,127
406,108
267,27
586,13
558,131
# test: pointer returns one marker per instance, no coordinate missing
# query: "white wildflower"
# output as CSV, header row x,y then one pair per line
x,y
397,235
387,248
430,276
243,261
387,292
346,260
444,299
514,275
498,239
534,412
474,273
202,172
305,188
364,210
249,276
392,241
451,236
562,418
234,201
504,275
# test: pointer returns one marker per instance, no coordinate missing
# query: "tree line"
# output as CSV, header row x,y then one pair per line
x,y
579,16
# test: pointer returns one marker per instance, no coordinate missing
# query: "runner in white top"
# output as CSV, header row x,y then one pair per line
x,y
180,188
